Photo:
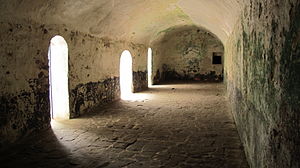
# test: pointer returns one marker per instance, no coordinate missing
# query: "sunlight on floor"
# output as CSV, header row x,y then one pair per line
x,y
159,86
138,97
56,124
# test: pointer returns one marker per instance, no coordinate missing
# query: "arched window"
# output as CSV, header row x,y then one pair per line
x,y
149,67
126,75
58,78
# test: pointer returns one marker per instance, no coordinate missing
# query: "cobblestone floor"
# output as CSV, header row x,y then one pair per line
x,y
178,125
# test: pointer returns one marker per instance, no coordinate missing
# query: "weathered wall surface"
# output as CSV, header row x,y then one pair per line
x,y
140,81
263,77
94,72
186,53
24,84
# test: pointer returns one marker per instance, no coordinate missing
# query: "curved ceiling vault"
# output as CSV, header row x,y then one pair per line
x,y
133,20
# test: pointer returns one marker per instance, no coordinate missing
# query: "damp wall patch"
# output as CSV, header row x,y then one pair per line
x,y
262,81
186,53
24,85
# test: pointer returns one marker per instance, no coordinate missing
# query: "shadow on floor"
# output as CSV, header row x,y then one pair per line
x,y
186,127
41,149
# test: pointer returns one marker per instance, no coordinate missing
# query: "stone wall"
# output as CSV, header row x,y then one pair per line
x,y
140,81
24,84
263,76
186,53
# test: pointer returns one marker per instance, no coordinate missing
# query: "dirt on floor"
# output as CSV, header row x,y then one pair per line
x,y
171,125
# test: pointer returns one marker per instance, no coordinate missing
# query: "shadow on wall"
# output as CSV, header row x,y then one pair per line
x,y
187,53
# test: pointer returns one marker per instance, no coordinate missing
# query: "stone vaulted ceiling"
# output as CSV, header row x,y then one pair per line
x,y
133,20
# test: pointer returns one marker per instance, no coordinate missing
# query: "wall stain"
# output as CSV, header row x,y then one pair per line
x,y
85,96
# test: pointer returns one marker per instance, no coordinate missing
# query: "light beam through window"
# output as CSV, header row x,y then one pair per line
x,y
58,78
126,75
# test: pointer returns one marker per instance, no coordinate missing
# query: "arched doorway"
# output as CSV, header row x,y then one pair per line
x,y
58,78
149,67
126,75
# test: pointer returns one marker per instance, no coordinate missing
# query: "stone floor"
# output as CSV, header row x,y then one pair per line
x,y
175,125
